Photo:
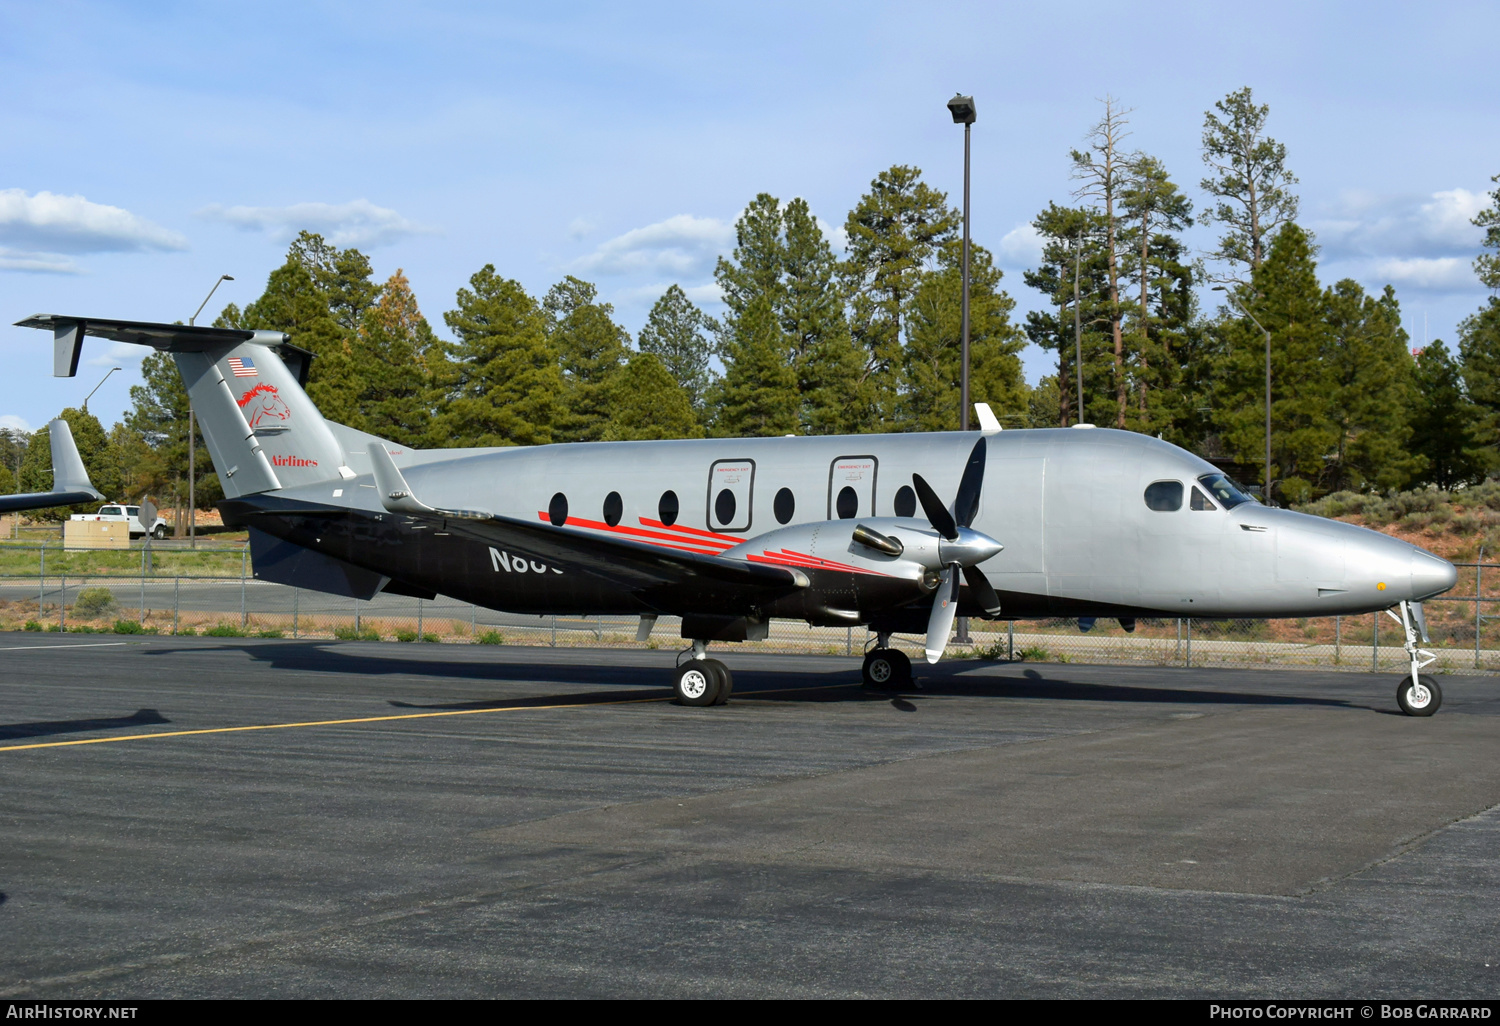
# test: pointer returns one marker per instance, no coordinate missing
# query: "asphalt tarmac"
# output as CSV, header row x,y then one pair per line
x,y
480,821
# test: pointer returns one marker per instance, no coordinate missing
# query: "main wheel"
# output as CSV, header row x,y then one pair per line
x,y
1419,699
726,680
886,668
697,683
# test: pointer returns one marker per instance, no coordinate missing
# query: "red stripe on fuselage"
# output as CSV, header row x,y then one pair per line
x,y
683,544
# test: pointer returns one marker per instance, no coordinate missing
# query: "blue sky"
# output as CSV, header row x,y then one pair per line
x,y
146,149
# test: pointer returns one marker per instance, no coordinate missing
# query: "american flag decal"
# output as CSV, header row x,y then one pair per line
x,y
242,367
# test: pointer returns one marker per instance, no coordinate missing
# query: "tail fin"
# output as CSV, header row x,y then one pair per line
x,y
70,481
262,430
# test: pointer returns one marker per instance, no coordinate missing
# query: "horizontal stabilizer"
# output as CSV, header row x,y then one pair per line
x,y
282,562
68,334
70,481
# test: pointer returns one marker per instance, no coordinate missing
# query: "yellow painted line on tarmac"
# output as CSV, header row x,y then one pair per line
x,y
378,719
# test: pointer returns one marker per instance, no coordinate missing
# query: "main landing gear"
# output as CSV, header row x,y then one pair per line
x,y
1415,695
885,668
701,680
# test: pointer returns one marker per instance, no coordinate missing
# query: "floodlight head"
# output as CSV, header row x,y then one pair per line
x,y
962,109
226,277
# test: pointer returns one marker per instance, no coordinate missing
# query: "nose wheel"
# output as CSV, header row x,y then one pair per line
x,y
1419,697
886,669
1417,694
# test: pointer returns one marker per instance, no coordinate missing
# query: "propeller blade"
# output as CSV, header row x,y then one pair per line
x,y
984,592
944,609
966,504
937,514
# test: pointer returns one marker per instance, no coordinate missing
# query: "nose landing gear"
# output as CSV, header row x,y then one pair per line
x,y
1416,696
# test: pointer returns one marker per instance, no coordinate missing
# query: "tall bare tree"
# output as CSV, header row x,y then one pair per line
x,y
1250,181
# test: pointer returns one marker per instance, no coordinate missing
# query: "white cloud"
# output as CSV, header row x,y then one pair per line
x,y
356,223
15,423
1435,225
119,354
646,295
705,294
1021,247
834,233
38,263
46,224
1428,272
682,245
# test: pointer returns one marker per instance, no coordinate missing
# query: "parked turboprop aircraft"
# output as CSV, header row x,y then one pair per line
x,y
731,533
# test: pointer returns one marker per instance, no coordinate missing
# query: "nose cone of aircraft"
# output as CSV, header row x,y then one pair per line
x,y
1430,575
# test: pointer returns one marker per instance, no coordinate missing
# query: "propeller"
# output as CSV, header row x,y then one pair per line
x,y
962,550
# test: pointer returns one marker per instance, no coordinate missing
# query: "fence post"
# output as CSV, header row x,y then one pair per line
x,y
1190,642
1478,596
1010,636
1375,641
41,589
176,601
244,616
473,620
62,604
554,630
1338,640
848,641
419,619
296,593
356,616
143,585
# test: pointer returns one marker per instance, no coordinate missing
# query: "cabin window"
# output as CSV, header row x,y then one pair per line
x,y
1225,490
614,509
1164,496
724,506
847,503
667,508
557,510
1201,501
906,502
784,505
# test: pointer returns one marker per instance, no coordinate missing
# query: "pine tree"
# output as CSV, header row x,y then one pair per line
x,y
1289,302
894,231
1479,333
812,317
680,336
1487,265
1370,372
404,366
98,455
1106,173
934,345
1250,181
1445,426
507,383
1072,275
1154,214
591,348
758,393
159,418
647,402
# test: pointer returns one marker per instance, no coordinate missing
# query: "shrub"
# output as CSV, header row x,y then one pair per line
x,y
430,637
406,636
269,634
224,630
32,625
350,634
1467,523
128,627
1033,654
185,632
996,652
54,628
489,638
93,602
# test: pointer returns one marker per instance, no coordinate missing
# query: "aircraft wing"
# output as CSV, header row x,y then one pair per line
x,y
70,481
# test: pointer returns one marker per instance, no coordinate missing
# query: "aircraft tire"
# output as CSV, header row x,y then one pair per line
x,y
886,669
1419,700
726,680
697,683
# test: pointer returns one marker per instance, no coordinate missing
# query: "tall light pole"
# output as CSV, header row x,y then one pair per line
x,y
1247,313
97,387
192,431
962,109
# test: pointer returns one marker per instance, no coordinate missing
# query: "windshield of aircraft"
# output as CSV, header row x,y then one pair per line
x,y
1223,488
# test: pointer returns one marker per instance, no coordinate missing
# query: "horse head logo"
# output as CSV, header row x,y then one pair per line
x,y
262,403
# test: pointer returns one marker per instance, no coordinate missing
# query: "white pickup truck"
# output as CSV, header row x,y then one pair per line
x,y
125,514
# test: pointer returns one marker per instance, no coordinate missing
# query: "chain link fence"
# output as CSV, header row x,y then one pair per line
x,y
169,597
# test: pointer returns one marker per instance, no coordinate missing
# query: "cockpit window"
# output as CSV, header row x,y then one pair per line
x,y
1223,488
1201,501
1164,496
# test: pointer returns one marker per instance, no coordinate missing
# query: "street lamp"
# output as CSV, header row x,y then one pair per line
x,y
97,387
1247,313
962,109
192,431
